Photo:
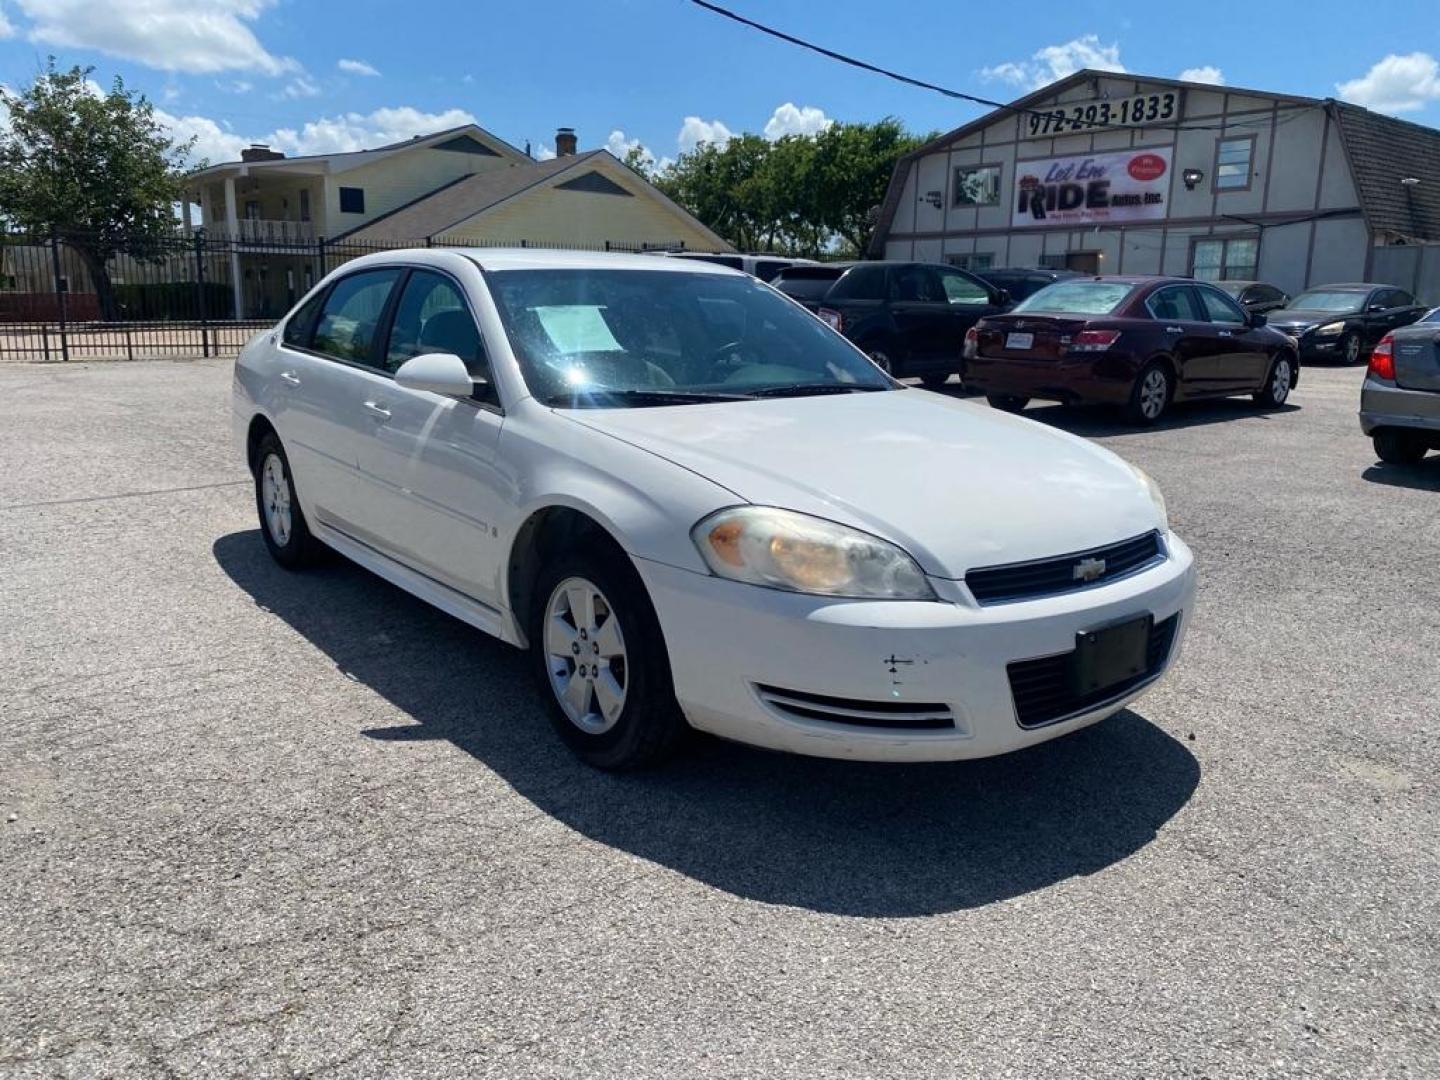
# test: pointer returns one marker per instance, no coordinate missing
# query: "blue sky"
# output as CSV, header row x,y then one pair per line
x,y
299,74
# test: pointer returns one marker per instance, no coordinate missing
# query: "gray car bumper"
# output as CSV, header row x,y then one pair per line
x,y
1383,405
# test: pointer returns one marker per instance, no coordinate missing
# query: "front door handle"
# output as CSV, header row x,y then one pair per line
x,y
377,410
290,378
1224,333
1174,330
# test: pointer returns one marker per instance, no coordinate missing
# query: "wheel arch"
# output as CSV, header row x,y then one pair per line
x,y
258,428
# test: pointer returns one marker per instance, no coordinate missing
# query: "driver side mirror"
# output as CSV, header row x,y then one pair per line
x,y
1257,319
439,373
1377,307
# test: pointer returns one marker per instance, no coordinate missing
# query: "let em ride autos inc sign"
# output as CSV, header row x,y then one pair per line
x,y
1086,189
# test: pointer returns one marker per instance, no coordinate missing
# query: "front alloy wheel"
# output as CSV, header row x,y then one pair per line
x,y
585,655
1277,387
1350,349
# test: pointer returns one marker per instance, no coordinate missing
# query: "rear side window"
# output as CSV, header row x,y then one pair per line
x,y
806,284
299,325
352,311
1176,302
1219,307
862,283
766,269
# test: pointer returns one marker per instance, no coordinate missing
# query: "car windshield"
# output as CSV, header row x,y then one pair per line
x,y
1323,300
1078,298
619,338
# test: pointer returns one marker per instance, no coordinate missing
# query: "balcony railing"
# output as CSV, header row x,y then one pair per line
x,y
268,231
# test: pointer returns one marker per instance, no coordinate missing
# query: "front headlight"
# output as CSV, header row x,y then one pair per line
x,y
1330,329
1155,496
782,549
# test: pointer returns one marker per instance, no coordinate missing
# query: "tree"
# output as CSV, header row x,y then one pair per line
x,y
850,172
96,166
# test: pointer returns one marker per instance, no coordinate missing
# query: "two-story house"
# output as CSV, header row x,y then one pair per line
x,y
287,217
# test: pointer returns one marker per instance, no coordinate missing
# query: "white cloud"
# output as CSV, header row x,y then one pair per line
x,y
544,151
1396,84
300,87
1207,73
620,146
7,29
172,35
327,135
789,120
695,131
1057,61
356,67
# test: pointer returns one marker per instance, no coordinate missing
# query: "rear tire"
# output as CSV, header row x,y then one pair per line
x,y
600,660
1278,382
1397,446
1011,403
1151,395
282,522
935,380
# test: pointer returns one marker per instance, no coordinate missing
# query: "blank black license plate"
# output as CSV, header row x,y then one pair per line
x,y
1108,657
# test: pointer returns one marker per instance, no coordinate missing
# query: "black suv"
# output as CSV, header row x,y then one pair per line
x,y
1022,282
909,317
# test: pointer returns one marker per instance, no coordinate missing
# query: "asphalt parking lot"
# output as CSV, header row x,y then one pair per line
x,y
270,825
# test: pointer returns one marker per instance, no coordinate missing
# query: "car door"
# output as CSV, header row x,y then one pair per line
x,y
1242,358
429,461
1397,309
920,311
969,300
1189,335
318,410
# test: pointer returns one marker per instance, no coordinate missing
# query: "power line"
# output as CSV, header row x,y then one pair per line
x,y
958,95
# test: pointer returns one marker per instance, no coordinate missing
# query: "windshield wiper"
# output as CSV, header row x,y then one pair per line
x,y
637,396
807,389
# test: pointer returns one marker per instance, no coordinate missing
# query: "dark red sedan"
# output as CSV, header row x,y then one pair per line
x,y
1137,342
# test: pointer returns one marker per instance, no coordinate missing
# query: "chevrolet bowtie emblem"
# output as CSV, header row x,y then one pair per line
x,y
1089,569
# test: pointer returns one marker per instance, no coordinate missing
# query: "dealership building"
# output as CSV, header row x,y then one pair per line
x,y
1110,173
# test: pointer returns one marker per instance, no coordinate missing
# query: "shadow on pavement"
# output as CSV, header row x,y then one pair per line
x,y
1091,420
1424,475
845,838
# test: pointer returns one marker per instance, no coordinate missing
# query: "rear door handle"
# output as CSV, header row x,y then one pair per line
x,y
377,410
290,378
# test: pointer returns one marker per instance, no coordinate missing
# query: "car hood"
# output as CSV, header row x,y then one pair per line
x,y
1306,316
955,484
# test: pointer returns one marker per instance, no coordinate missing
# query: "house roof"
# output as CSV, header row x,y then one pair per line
x,y
351,158
1383,151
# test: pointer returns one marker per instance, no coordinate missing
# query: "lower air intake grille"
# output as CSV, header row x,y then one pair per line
x,y
1042,691
896,715
1078,570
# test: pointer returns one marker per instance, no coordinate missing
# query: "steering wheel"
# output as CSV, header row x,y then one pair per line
x,y
718,360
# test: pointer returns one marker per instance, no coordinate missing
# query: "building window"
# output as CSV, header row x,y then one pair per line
x,y
352,200
1233,259
977,186
1232,163
978,260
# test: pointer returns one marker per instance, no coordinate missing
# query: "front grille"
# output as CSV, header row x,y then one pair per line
x,y
1046,577
855,712
1041,688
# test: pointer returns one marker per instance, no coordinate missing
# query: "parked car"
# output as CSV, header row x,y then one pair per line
x,y
763,266
1400,398
1141,343
1024,282
1256,297
1343,322
694,502
910,318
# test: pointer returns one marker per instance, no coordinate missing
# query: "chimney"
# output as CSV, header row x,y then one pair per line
x,y
565,142
260,152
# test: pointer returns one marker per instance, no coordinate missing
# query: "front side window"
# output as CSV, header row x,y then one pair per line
x,y
916,284
1174,303
1078,298
960,289
620,338
1220,307
1232,163
977,186
346,329
861,283
432,317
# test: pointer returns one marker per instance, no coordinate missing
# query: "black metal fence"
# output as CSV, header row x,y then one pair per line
x,y
77,296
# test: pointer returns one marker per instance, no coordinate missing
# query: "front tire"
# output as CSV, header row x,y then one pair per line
x,y
1277,383
1396,446
1350,350
601,663
1151,395
282,522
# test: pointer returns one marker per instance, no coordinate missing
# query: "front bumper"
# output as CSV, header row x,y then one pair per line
x,y
725,639
1385,405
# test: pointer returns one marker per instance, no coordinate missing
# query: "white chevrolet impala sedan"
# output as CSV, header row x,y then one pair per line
x,y
697,505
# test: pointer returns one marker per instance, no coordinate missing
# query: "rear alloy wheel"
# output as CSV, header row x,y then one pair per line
x,y
1398,446
1151,394
1350,349
602,663
1277,385
881,359
1010,403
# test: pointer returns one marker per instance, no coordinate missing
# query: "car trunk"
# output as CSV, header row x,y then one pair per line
x,y
1028,337
1417,357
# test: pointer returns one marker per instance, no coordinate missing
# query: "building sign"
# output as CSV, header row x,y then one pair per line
x,y
1157,108
1091,189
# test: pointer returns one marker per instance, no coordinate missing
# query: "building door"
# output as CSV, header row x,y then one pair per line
x,y
1086,262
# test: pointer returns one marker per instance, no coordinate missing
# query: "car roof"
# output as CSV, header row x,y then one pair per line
x,y
1351,286
564,259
